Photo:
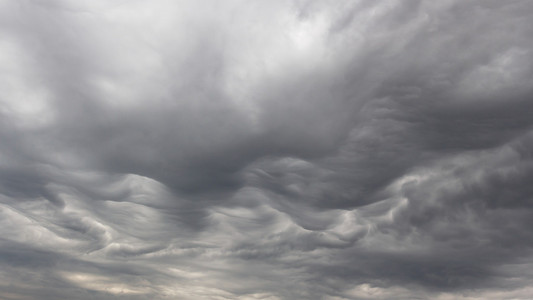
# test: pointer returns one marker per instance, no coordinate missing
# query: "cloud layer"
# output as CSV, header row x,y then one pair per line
x,y
266,150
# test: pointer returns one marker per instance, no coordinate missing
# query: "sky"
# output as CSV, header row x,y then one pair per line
x,y
295,149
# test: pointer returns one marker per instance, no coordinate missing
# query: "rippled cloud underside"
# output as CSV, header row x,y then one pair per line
x,y
266,149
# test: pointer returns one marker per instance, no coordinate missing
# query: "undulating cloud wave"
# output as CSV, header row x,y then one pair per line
x,y
266,150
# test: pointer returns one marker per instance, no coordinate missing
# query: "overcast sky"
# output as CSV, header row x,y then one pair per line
x,y
292,149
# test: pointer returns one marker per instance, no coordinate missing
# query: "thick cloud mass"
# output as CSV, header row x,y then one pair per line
x,y
266,149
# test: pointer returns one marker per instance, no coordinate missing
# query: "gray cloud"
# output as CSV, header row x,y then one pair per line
x,y
280,150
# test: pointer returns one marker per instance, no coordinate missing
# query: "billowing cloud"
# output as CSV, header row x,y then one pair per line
x,y
266,150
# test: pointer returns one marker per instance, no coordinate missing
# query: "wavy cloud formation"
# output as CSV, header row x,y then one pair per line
x,y
266,150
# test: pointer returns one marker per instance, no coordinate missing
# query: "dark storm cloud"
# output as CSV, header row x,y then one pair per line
x,y
276,150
